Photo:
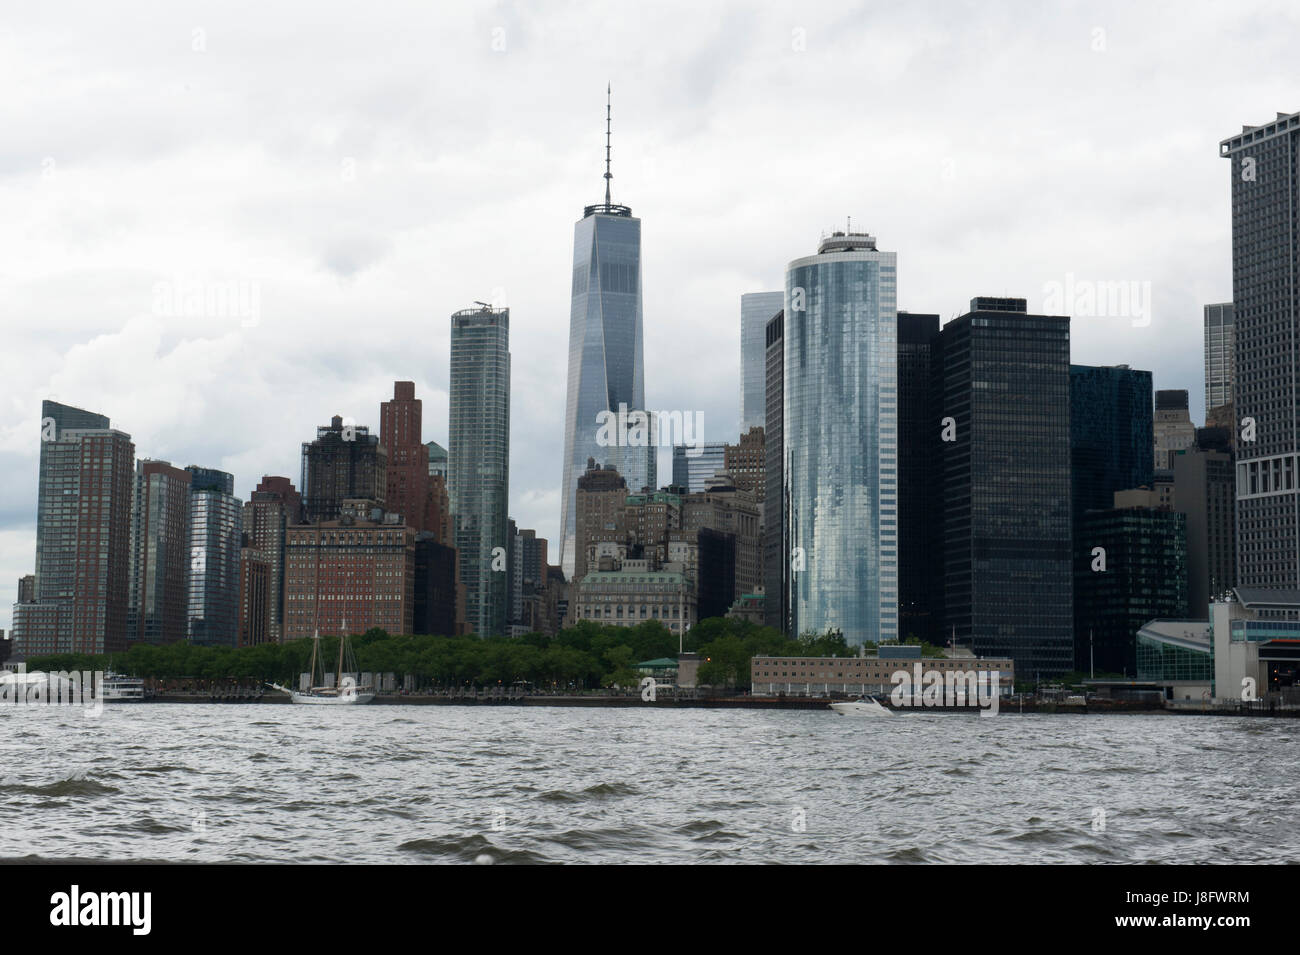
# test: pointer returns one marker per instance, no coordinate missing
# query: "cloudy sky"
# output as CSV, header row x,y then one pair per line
x,y
359,172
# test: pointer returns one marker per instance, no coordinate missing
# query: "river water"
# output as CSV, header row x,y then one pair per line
x,y
419,784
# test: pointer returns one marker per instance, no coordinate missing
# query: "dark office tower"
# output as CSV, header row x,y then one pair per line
x,y
1205,490
1111,449
216,537
254,599
1144,579
716,572
1172,427
1111,434
605,351
1004,401
27,588
1266,330
1220,365
435,600
273,507
479,461
514,577
400,422
776,555
158,607
83,537
345,461
920,550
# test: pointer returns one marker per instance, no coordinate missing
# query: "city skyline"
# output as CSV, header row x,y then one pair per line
x,y
97,330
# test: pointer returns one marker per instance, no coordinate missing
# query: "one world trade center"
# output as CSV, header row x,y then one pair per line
x,y
606,377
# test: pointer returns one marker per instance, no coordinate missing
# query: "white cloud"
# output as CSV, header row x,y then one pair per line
x,y
374,169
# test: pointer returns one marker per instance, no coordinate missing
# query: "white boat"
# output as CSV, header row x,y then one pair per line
x,y
122,689
863,707
346,693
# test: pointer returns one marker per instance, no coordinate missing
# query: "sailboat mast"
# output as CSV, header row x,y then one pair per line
x,y
338,674
311,670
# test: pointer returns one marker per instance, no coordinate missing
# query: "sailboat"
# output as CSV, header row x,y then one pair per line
x,y
345,693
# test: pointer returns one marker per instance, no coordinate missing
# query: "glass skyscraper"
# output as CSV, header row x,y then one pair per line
x,y
478,462
841,439
1111,434
920,544
756,310
605,353
1265,184
215,535
694,471
158,609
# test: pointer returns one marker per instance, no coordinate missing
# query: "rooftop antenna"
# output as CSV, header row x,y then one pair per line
x,y
848,228
608,175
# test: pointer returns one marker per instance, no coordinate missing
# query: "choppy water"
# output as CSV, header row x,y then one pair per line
x,y
459,784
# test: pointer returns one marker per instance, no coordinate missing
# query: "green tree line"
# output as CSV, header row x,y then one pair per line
x,y
585,656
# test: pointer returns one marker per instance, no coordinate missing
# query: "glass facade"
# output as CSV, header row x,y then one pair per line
x,y
756,310
160,553
478,462
215,534
776,561
1145,578
1166,660
1111,434
920,550
1003,377
1265,187
841,441
694,473
605,354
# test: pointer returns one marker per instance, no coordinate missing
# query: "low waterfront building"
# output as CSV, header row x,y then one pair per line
x,y
663,669
1179,656
1256,634
872,674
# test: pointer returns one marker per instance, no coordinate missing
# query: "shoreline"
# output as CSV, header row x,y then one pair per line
x,y
741,702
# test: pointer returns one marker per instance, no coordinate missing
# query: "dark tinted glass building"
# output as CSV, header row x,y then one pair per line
x,y
1144,579
1003,377
920,554
776,555
1111,433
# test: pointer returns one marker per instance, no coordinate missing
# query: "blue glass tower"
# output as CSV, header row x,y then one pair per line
x,y
841,439
605,354
1111,434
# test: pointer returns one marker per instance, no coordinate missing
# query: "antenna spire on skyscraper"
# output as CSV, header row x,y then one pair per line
x,y
608,175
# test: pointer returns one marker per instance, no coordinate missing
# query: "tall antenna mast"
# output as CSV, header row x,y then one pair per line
x,y
608,175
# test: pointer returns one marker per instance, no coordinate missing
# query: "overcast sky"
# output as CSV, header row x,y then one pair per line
x,y
361,171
